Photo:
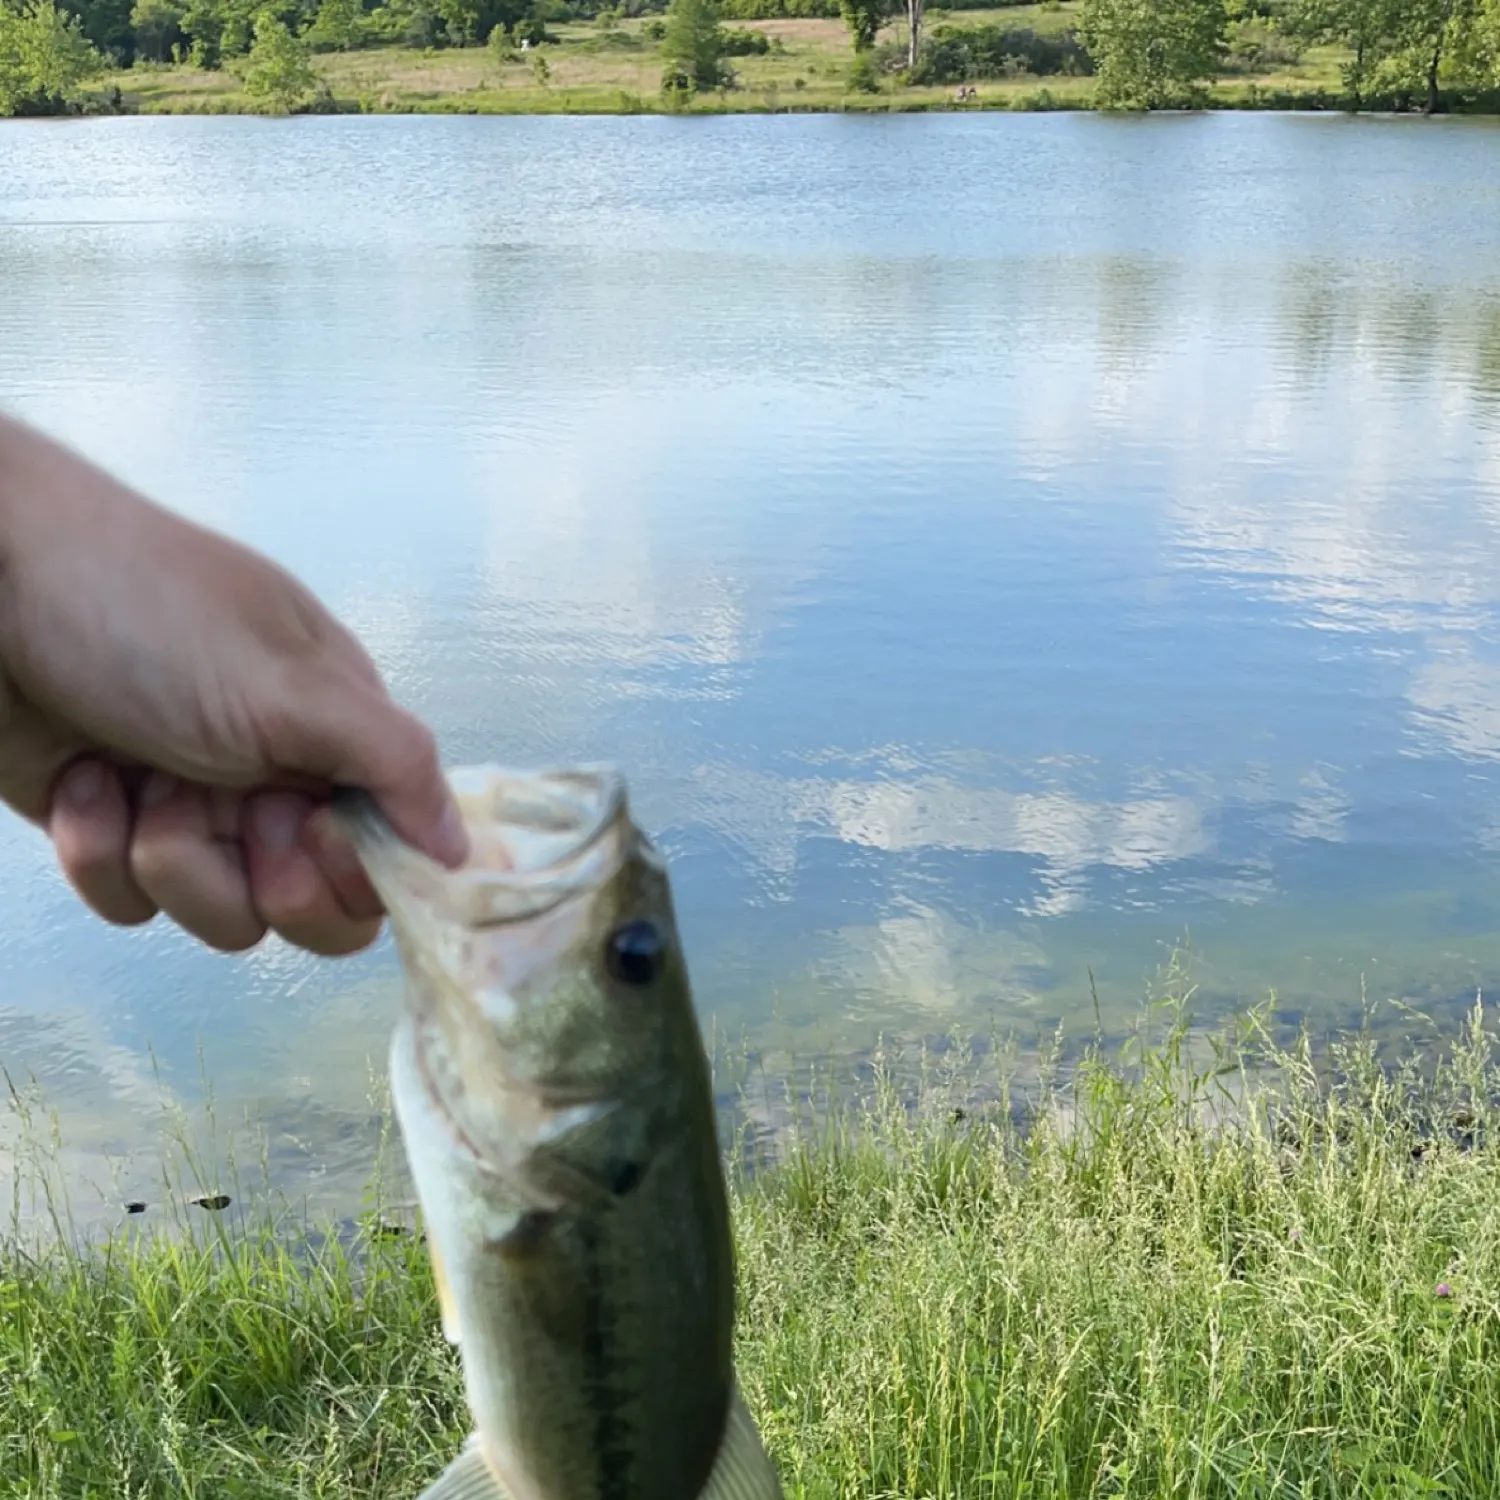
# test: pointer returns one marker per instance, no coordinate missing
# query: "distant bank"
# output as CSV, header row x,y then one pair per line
x,y
612,65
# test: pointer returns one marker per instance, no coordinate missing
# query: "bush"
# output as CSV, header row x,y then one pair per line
x,y
1259,47
279,71
44,56
777,10
864,75
1153,54
158,28
693,48
338,27
737,42
956,54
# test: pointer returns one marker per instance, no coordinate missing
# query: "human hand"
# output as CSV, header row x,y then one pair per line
x,y
175,710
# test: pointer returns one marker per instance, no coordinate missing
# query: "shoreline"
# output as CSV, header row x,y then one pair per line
x,y
1218,1276
796,66
581,103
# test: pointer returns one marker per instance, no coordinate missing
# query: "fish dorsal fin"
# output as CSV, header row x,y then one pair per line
x,y
743,1470
468,1477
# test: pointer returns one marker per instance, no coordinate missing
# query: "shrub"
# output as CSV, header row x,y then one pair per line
x,y
279,71
955,54
864,75
1258,47
737,42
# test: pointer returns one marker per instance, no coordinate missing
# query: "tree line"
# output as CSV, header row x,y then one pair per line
x,y
1146,54
1399,54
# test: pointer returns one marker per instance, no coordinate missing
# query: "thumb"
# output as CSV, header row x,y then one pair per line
x,y
351,733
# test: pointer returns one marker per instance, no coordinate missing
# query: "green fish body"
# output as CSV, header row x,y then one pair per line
x,y
557,1111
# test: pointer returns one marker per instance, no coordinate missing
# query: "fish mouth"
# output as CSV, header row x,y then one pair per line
x,y
537,838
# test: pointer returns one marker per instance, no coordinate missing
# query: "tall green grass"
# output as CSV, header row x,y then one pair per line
x,y
1165,1272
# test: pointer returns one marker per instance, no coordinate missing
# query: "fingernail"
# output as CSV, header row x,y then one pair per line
x,y
157,790
277,822
451,843
83,786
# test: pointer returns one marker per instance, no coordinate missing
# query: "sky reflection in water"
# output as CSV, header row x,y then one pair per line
x,y
994,547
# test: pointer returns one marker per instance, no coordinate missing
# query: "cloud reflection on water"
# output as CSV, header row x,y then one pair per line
x,y
973,593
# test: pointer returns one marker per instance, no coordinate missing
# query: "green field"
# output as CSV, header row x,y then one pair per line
x,y
1243,1277
618,70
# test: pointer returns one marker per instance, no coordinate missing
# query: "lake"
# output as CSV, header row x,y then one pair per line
x,y
998,549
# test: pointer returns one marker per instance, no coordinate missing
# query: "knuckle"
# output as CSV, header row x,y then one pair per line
x,y
409,752
286,904
235,937
296,901
198,886
333,937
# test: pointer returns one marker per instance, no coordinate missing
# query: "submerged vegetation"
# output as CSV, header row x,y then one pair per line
x,y
58,56
1163,1272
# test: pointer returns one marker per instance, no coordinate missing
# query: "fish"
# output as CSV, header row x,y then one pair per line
x,y
555,1103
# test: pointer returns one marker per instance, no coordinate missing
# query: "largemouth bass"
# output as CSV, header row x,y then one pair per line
x,y
553,1095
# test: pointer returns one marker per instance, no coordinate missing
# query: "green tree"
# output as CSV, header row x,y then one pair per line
x,y
1477,58
1151,54
44,56
863,18
1364,27
217,29
158,27
339,26
468,22
693,48
1403,50
1425,35
280,71
106,23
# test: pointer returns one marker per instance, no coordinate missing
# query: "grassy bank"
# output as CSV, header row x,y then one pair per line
x,y
618,70
1250,1278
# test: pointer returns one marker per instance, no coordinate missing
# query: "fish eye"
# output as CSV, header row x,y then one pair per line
x,y
635,953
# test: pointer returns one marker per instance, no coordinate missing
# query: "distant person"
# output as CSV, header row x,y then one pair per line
x,y
174,710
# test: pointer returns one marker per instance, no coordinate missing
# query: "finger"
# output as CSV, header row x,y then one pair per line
x,y
90,829
290,891
182,857
353,734
340,865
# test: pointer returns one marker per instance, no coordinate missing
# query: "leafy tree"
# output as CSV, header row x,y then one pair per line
x,y
280,70
1402,50
467,22
106,23
693,48
217,29
44,56
1423,36
1476,54
158,28
338,27
863,18
1363,26
413,23
1152,53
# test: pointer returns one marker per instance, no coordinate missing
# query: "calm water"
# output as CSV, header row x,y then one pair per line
x,y
995,547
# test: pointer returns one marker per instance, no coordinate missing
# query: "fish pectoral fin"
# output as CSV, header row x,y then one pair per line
x,y
468,1477
743,1469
